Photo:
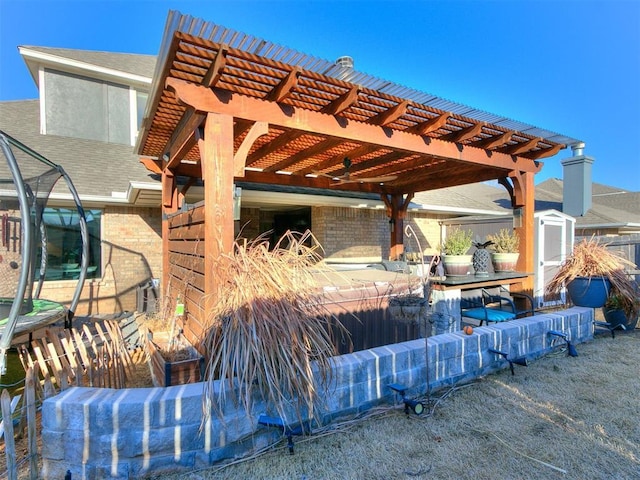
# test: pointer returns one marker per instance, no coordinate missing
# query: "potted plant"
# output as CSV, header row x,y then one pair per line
x,y
590,273
455,247
411,307
621,311
505,246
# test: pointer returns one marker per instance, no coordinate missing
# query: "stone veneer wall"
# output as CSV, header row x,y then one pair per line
x,y
137,433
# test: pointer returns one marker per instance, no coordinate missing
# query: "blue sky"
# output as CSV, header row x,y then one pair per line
x,y
568,66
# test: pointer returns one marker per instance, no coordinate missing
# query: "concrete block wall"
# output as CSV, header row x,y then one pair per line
x,y
138,433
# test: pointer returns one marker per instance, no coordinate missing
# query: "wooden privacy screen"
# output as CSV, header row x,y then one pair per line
x,y
186,271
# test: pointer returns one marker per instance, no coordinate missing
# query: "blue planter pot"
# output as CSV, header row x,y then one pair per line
x,y
616,317
589,291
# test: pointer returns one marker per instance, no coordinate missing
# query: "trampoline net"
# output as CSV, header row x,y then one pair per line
x,y
39,178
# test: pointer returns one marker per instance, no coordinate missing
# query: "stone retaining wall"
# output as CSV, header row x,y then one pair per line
x,y
133,433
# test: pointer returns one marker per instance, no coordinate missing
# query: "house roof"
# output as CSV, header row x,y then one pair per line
x,y
97,169
317,114
611,207
135,67
474,198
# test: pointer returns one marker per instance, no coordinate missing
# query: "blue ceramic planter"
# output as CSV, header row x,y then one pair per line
x,y
616,317
589,291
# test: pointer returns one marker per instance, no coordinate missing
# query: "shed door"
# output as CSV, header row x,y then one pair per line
x,y
552,250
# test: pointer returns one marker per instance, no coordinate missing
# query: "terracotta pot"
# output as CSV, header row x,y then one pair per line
x,y
504,262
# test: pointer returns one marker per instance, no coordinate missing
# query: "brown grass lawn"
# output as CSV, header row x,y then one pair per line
x,y
559,418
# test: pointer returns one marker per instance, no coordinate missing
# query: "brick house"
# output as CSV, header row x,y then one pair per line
x,y
86,119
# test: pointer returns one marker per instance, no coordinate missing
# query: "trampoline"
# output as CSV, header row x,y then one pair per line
x,y
26,182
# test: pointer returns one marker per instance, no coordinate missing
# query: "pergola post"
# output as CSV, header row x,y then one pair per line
x,y
216,152
524,192
170,198
397,206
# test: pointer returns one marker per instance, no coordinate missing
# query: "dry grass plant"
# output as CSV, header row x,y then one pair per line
x,y
591,258
267,332
560,418
164,332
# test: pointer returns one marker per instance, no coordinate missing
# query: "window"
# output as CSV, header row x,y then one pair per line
x,y
82,107
64,244
139,101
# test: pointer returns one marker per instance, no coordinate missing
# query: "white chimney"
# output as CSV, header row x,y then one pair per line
x,y
345,61
577,182
345,72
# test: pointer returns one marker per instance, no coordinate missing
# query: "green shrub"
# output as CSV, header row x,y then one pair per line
x,y
458,242
505,241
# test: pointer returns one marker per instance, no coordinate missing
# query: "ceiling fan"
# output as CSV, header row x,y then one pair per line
x,y
346,177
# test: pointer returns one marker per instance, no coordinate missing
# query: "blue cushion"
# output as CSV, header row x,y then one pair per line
x,y
489,314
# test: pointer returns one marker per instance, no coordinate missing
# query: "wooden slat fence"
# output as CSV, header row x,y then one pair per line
x,y
91,355
24,414
186,271
94,355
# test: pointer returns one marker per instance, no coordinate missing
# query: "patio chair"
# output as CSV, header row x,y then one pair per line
x,y
492,308
523,301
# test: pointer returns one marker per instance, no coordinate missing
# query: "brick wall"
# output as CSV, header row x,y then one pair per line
x,y
351,232
364,233
249,224
131,255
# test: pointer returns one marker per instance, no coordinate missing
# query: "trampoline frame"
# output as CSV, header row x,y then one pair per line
x,y
27,272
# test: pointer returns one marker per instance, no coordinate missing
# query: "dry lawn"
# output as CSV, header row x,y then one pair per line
x,y
560,417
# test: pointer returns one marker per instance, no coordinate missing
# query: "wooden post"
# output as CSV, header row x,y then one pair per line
x,y
216,152
169,205
30,392
397,206
524,191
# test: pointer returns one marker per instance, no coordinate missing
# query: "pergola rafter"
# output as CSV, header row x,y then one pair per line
x,y
225,112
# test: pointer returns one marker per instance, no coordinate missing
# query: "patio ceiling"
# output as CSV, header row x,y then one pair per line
x,y
312,120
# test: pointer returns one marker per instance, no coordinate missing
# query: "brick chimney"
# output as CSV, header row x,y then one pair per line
x,y
577,182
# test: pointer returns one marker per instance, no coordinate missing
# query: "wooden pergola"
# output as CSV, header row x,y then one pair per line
x,y
224,113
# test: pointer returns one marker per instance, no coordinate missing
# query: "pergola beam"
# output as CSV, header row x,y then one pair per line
x,y
464,133
519,148
285,87
391,114
494,142
214,100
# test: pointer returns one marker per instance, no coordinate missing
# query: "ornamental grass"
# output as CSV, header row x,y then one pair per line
x,y
269,337
591,258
